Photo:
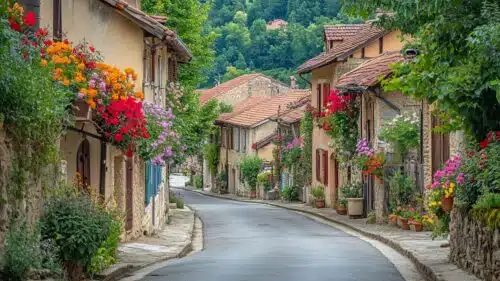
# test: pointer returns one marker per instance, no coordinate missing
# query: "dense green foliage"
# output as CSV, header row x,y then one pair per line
x,y
211,154
352,190
401,190
290,193
318,192
77,225
303,175
106,254
458,65
244,44
250,168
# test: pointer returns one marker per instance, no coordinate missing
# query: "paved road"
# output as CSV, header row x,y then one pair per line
x,y
251,242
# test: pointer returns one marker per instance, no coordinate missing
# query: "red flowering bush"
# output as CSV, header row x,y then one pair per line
x,y
123,122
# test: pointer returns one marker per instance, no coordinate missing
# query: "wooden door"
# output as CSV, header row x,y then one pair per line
x,y
440,146
334,182
83,162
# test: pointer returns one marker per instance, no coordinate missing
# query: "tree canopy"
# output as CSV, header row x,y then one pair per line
x,y
458,66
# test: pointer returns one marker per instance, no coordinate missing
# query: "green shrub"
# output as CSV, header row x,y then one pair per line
x,y
401,190
171,197
488,201
290,193
22,251
250,168
211,154
264,179
198,184
352,190
78,226
180,203
106,254
318,192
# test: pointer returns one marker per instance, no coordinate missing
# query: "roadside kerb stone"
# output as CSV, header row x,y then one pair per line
x,y
174,242
427,254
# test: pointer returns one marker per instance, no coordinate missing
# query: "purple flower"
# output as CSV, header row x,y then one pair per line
x,y
80,95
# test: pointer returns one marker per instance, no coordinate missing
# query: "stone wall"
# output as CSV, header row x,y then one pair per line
x,y
474,246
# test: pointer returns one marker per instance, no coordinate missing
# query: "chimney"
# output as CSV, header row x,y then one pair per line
x,y
293,82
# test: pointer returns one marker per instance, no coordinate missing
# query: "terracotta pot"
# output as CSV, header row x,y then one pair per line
x,y
341,210
319,203
404,224
447,204
355,206
398,221
416,226
393,219
252,194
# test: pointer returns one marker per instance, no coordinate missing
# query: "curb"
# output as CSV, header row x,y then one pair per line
x,y
425,270
128,269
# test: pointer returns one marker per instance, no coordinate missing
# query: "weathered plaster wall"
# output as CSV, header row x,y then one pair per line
x,y
260,86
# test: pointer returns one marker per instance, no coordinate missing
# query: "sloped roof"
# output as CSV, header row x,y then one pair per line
x,y
261,111
344,49
208,94
265,141
295,114
369,73
243,106
153,26
340,32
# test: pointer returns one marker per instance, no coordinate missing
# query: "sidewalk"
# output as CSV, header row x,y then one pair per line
x,y
175,241
427,254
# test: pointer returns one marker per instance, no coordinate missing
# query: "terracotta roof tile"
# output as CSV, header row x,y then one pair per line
x,y
370,72
243,106
208,94
264,110
265,141
340,32
344,49
153,26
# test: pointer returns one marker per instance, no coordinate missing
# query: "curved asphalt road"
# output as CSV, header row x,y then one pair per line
x,y
252,242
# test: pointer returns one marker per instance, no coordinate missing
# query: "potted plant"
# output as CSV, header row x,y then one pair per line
x,y
353,192
416,223
393,219
405,217
342,207
319,196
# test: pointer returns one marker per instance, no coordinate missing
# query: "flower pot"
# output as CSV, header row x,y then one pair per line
x,y
404,224
355,207
393,219
447,204
319,203
252,194
341,210
416,226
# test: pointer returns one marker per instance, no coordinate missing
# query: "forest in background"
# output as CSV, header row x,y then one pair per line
x,y
244,45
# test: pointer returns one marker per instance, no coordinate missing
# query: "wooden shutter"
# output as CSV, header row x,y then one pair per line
x,y
318,97
381,45
172,70
325,167
57,20
318,165
326,92
440,146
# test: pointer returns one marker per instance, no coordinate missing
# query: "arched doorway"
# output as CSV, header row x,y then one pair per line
x,y
83,162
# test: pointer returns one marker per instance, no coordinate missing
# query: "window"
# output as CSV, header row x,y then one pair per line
x,y
318,97
381,45
231,138
318,165
236,132
325,167
363,53
326,92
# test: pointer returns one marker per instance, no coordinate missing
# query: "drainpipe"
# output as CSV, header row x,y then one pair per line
x,y
102,170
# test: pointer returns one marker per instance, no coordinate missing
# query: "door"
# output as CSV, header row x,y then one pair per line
x,y
334,182
83,162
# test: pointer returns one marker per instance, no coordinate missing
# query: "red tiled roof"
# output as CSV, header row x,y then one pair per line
x,y
153,26
265,141
370,72
242,106
253,115
208,94
340,32
295,114
344,49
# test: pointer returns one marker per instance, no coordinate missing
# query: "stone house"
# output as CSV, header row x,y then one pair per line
x,y
346,48
247,131
126,37
276,24
357,57
239,89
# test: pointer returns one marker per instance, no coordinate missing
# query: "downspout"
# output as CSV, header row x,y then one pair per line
x,y
307,81
102,170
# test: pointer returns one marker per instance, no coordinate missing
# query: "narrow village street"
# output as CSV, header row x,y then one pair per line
x,y
254,242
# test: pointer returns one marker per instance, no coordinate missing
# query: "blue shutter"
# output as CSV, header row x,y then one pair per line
x,y
149,182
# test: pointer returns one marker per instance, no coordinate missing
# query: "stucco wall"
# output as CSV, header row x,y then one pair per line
x,y
392,42
260,86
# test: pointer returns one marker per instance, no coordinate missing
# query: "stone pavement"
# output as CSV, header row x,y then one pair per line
x,y
175,241
427,254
